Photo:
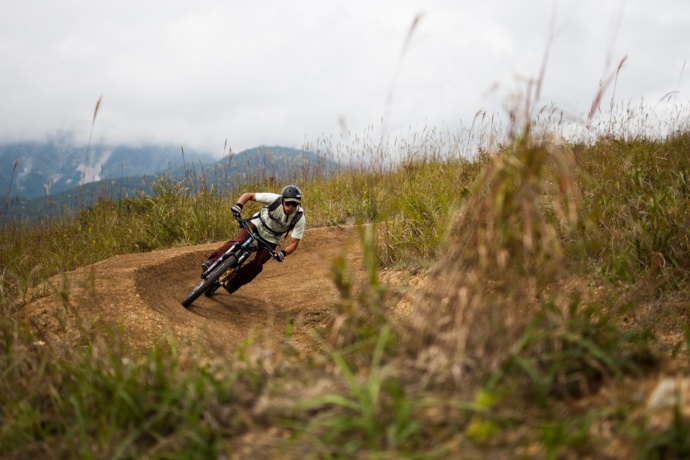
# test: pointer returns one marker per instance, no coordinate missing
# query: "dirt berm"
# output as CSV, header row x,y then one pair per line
x,y
141,294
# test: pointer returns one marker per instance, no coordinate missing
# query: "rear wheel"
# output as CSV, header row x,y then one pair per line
x,y
210,281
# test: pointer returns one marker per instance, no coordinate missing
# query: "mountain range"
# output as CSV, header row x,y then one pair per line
x,y
41,180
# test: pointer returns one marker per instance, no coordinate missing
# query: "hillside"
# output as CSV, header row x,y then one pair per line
x,y
139,295
528,303
50,168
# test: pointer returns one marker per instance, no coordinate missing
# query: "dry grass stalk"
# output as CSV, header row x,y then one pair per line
x,y
503,248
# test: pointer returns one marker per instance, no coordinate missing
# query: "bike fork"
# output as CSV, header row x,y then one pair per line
x,y
219,261
228,275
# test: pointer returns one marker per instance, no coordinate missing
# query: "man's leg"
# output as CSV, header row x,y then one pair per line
x,y
250,270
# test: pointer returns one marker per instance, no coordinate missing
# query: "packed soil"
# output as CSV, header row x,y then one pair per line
x,y
140,294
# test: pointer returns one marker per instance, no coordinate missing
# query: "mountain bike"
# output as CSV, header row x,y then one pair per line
x,y
222,270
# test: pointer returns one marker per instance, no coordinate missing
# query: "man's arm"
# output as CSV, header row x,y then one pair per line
x,y
245,197
292,247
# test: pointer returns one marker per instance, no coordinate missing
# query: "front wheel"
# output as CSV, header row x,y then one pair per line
x,y
209,282
212,289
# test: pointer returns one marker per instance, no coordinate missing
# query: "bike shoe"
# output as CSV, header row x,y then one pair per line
x,y
230,287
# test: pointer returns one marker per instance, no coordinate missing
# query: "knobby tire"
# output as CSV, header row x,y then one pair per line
x,y
209,281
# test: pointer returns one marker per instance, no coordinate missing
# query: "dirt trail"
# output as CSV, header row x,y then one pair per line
x,y
142,293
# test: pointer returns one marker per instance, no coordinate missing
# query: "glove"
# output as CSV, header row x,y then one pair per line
x,y
279,256
236,210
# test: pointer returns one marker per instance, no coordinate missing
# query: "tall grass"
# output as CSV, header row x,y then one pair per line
x,y
639,196
540,255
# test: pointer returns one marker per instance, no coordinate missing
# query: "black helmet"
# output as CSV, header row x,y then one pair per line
x,y
292,193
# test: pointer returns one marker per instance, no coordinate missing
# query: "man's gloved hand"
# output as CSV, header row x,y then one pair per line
x,y
236,210
279,256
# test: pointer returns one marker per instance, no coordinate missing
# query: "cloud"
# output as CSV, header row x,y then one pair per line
x,y
271,72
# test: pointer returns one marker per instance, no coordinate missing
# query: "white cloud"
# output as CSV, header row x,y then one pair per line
x,y
270,72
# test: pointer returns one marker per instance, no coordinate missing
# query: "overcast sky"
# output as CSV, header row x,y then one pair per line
x,y
282,73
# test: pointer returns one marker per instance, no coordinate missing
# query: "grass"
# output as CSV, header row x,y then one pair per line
x,y
532,338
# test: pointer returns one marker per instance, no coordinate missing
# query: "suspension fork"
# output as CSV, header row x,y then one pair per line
x,y
242,254
227,275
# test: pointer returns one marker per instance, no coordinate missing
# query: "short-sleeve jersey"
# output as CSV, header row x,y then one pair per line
x,y
276,220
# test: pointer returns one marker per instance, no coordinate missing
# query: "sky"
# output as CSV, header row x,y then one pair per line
x,y
213,74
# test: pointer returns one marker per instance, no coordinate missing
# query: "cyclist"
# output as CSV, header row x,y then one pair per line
x,y
282,214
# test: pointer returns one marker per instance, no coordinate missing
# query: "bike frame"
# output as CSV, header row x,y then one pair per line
x,y
242,252
212,279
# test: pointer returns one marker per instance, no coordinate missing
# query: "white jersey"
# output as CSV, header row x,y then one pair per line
x,y
276,220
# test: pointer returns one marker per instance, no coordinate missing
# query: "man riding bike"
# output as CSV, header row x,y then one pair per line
x,y
282,214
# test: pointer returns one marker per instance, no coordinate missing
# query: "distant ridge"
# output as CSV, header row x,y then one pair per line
x,y
48,168
273,163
